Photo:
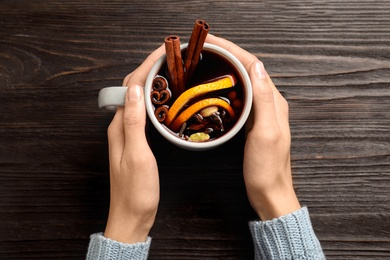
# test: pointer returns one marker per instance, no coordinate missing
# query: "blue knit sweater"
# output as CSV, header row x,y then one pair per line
x,y
287,237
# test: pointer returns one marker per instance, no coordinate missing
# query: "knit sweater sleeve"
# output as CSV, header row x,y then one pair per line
x,y
102,248
287,237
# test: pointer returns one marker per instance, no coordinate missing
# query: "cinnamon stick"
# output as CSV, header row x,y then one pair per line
x,y
195,46
175,65
161,113
160,94
159,83
160,97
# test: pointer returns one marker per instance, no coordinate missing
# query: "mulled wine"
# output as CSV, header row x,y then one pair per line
x,y
210,105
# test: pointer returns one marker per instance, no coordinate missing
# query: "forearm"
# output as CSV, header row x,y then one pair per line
x,y
288,237
101,248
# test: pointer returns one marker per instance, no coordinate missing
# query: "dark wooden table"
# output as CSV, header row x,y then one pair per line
x,y
330,59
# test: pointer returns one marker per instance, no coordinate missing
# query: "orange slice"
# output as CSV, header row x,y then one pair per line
x,y
190,111
223,82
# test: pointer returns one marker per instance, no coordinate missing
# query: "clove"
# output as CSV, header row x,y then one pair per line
x,y
217,119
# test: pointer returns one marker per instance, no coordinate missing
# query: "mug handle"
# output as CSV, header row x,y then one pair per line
x,y
111,97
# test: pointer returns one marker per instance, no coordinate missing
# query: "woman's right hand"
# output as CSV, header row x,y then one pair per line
x,y
267,167
134,179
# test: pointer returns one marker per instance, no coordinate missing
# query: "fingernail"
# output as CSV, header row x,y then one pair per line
x,y
260,70
135,93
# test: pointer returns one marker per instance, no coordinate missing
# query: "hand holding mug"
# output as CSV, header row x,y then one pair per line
x,y
267,167
134,181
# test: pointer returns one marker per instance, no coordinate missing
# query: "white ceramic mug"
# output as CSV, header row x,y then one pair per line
x,y
111,97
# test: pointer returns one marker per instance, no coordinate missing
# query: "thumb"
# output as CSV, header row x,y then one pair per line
x,y
263,96
134,116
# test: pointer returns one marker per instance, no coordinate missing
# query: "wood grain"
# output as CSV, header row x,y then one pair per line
x,y
330,59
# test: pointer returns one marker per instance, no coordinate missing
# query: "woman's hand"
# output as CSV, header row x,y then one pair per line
x,y
134,180
267,167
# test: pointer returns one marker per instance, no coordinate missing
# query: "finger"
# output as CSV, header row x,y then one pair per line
x,y
134,117
248,60
249,123
116,137
263,96
115,132
138,77
245,57
127,78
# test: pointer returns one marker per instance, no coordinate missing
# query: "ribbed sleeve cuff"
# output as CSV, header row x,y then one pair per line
x,y
287,237
101,248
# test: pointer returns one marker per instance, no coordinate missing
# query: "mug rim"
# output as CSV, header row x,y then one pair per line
x,y
196,146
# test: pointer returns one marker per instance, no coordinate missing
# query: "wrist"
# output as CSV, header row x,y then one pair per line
x,y
276,204
128,229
